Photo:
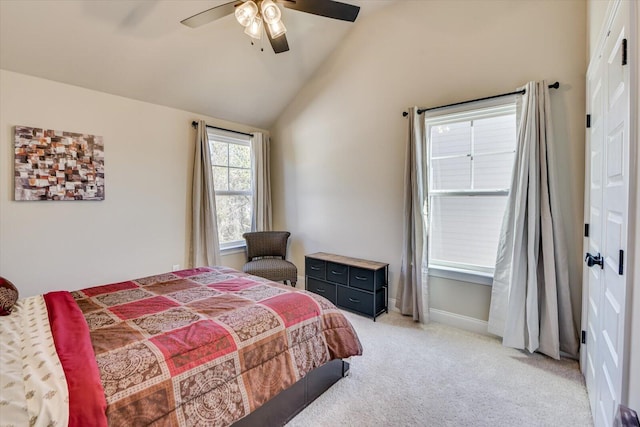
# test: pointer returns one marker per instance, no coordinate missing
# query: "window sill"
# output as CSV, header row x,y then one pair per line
x,y
462,275
232,250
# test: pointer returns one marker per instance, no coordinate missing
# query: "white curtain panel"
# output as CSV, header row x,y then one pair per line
x,y
413,293
261,219
205,246
530,301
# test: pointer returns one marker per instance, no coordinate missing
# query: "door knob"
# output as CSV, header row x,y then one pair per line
x,y
594,260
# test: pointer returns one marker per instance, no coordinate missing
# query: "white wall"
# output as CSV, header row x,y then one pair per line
x,y
142,226
338,153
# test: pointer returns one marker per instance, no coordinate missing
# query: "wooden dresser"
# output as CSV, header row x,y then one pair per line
x,y
353,284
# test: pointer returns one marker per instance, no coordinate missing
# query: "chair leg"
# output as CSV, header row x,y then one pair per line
x,y
293,283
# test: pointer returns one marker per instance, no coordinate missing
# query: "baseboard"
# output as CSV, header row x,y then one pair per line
x,y
452,319
459,321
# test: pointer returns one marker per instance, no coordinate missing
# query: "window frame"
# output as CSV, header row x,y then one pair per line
x,y
472,111
230,137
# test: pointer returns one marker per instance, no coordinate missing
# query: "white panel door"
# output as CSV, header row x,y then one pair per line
x,y
606,281
593,276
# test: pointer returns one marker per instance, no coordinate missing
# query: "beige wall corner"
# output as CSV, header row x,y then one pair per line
x,y
338,149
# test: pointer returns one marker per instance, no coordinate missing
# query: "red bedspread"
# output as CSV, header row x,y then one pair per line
x,y
86,398
205,346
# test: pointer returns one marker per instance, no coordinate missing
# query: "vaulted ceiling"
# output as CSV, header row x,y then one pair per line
x,y
139,49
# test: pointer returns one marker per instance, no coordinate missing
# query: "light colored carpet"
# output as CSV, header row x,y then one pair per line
x,y
436,375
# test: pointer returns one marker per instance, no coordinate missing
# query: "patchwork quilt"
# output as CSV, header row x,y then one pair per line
x,y
197,347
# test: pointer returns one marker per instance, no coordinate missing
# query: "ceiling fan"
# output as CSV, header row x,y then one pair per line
x,y
255,15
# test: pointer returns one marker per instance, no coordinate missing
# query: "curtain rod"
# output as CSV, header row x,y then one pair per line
x,y
556,85
195,124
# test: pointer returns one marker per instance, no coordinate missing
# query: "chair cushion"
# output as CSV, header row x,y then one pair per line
x,y
272,269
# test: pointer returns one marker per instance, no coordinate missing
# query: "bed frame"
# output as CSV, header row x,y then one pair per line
x,y
286,405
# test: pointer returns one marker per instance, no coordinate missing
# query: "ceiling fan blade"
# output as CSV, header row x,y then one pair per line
x,y
211,14
279,44
327,8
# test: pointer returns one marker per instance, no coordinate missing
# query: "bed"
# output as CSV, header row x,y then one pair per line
x,y
198,347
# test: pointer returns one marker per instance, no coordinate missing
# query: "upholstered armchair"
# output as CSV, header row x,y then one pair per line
x,y
266,256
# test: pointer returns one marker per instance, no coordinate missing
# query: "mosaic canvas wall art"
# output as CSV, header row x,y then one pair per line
x,y
58,165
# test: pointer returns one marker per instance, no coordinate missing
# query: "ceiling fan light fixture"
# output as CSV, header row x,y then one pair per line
x,y
270,12
246,13
254,29
276,29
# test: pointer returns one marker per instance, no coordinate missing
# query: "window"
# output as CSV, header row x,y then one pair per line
x,y
231,163
470,157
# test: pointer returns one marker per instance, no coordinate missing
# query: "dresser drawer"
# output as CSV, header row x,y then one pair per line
x,y
325,289
354,284
361,279
353,299
315,268
338,273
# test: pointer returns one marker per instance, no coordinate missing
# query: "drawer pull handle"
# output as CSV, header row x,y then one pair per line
x,y
315,268
322,291
361,278
354,300
337,272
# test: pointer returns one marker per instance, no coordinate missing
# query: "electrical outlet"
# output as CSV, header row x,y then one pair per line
x,y
175,267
